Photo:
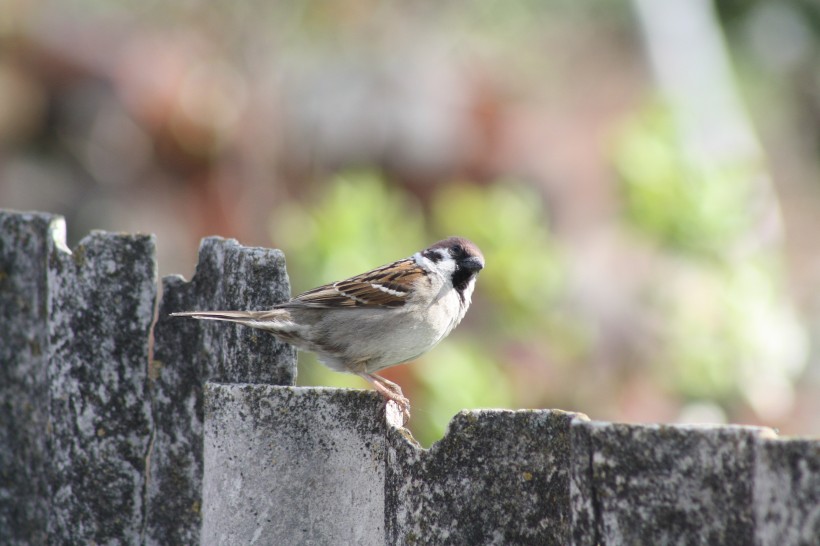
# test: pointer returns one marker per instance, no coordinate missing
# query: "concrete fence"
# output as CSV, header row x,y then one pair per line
x,y
206,441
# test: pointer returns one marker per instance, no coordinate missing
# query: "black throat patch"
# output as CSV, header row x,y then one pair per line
x,y
461,278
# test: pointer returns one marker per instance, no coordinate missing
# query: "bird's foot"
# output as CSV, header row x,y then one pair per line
x,y
391,393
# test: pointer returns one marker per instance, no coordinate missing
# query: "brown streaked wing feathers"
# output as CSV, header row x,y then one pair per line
x,y
395,279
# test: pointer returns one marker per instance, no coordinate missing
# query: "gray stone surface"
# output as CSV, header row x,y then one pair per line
x,y
84,414
24,459
290,465
497,477
187,353
101,306
787,491
76,403
655,484
286,465
316,466
75,419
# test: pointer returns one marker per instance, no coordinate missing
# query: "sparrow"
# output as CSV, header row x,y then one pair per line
x,y
381,318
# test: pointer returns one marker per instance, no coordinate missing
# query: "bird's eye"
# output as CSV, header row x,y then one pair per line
x,y
457,250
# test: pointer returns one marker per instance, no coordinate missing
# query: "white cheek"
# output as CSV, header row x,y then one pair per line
x,y
447,272
444,268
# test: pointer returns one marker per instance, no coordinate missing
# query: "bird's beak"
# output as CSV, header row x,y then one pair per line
x,y
472,264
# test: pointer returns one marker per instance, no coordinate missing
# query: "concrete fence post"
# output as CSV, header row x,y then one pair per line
x,y
289,465
25,245
97,444
657,483
189,353
75,417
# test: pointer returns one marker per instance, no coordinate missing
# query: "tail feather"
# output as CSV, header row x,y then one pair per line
x,y
249,318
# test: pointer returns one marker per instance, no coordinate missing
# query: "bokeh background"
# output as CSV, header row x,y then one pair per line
x,y
643,177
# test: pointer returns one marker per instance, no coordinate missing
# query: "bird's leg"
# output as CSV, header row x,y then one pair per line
x,y
390,392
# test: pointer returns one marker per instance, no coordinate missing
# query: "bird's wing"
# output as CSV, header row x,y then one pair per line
x,y
387,286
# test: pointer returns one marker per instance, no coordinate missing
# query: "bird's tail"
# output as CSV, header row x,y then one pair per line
x,y
254,319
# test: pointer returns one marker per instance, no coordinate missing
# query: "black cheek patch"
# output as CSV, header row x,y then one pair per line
x,y
433,256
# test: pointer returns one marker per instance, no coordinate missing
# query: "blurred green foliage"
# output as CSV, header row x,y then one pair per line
x,y
683,204
356,224
508,223
360,222
729,325
457,375
727,322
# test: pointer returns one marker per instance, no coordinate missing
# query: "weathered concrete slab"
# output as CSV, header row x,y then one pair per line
x,y
187,353
497,477
101,306
290,465
25,243
317,465
787,491
321,466
656,484
76,415
228,276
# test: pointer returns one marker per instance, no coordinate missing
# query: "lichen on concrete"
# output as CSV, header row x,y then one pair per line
x,y
24,392
322,466
99,445
497,477
100,314
787,491
653,484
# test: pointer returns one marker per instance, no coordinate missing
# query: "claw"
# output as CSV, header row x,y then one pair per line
x,y
392,395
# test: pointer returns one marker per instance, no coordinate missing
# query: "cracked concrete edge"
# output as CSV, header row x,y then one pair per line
x,y
496,477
